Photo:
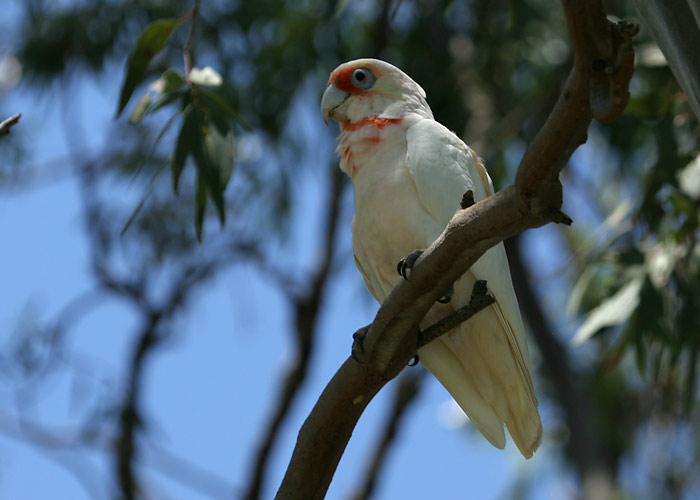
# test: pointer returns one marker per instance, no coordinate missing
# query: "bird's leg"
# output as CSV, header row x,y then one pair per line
x,y
406,264
358,339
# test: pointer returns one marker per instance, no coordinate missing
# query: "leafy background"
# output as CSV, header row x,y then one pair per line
x,y
137,359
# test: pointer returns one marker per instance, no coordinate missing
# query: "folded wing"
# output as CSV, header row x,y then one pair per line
x,y
484,363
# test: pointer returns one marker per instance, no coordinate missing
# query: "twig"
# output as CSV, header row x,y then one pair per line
x,y
479,300
66,439
533,201
5,125
186,49
154,331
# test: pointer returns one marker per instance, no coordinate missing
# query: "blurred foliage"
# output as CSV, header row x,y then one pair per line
x,y
491,69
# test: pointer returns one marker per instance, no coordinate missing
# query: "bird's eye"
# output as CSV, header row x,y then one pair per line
x,y
362,78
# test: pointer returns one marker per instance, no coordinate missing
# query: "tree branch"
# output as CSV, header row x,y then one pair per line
x,y
186,49
405,393
306,309
533,201
7,124
479,300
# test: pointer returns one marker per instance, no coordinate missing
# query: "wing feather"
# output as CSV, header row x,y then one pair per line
x,y
443,168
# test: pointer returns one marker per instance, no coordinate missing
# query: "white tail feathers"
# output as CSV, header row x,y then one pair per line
x,y
482,365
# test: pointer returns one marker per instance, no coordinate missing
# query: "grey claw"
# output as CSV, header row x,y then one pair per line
x,y
407,262
448,296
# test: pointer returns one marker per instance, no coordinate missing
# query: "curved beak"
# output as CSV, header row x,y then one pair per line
x,y
332,98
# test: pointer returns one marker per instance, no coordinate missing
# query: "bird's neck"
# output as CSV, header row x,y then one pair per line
x,y
370,122
362,142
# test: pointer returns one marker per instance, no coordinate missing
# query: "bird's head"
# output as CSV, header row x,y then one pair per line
x,y
367,88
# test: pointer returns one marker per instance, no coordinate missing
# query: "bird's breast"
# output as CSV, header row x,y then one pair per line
x,y
390,221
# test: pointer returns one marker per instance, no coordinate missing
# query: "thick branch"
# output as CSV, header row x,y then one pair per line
x,y
533,201
405,393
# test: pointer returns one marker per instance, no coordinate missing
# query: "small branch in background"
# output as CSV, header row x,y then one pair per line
x,y
156,317
58,442
152,334
583,445
405,393
186,49
7,124
306,309
130,418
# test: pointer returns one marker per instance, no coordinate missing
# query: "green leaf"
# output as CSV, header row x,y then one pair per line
x,y
691,379
219,104
140,109
200,205
186,141
219,148
579,290
613,311
166,99
640,352
208,174
150,42
170,81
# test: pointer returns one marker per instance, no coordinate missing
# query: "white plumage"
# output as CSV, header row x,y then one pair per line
x,y
409,174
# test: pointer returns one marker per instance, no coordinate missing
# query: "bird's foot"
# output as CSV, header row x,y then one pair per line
x,y
358,340
406,264
467,199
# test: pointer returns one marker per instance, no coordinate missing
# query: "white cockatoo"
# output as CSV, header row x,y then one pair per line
x,y
409,174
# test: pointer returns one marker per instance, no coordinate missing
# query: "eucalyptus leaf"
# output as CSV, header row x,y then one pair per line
x,y
207,172
221,106
219,148
151,41
186,140
141,108
200,206
613,311
170,81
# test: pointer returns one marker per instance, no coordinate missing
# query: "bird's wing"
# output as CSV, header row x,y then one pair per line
x,y
443,168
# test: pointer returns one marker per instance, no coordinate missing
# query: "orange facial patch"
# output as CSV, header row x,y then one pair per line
x,y
371,121
343,80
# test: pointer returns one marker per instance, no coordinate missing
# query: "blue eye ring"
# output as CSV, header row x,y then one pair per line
x,y
362,78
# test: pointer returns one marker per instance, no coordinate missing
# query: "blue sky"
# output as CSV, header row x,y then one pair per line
x,y
209,390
